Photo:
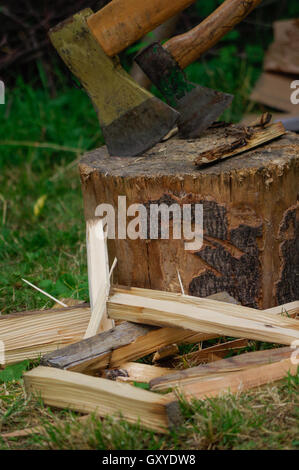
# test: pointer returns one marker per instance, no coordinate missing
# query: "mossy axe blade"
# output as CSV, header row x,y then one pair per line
x,y
131,118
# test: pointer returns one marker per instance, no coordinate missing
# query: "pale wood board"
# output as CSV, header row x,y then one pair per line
x,y
98,277
79,392
125,342
205,316
27,335
237,382
224,366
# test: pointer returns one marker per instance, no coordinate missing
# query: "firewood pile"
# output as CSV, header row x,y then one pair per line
x,y
90,353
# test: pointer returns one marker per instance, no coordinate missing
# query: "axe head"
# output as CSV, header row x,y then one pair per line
x,y
131,118
199,106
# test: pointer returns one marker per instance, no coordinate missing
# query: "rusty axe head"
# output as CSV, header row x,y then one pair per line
x,y
199,106
131,118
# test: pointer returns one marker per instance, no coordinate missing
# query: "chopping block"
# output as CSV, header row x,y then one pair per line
x,y
250,208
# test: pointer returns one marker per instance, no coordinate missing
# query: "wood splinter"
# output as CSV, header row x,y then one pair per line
x,y
248,138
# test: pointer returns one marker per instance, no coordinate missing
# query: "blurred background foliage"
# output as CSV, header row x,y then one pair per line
x,y
47,123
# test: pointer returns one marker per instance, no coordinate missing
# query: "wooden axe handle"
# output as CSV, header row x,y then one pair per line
x,y
122,22
188,47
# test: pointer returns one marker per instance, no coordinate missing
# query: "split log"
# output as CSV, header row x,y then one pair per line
x,y
98,277
250,218
110,349
247,138
27,335
205,316
224,366
79,392
237,382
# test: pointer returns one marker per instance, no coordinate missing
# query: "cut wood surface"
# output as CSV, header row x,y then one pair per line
x,y
27,335
224,366
204,315
79,392
137,372
238,382
98,277
250,139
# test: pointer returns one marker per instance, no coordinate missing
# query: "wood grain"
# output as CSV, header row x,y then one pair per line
x,y
122,22
79,392
188,47
27,335
224,366
205,316
238,382
258,137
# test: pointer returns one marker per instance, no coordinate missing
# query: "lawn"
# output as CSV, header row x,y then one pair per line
x,y
42,239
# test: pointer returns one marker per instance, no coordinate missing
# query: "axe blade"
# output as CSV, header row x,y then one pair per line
x,y
199,106
140,128
131,118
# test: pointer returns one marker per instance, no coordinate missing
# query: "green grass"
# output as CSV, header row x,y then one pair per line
x,y
263,419
42,239
42,231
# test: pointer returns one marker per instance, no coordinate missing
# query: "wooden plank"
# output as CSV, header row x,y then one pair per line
x,y
27,335
123,343
96,350
237,382
274,91
204,315
251,138
290,309
79,392
221,298
224,366
98,277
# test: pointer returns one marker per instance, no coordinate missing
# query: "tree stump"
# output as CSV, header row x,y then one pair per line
x,y
250,218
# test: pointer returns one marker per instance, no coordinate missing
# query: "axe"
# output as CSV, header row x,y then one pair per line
x,y
198,106
131,118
